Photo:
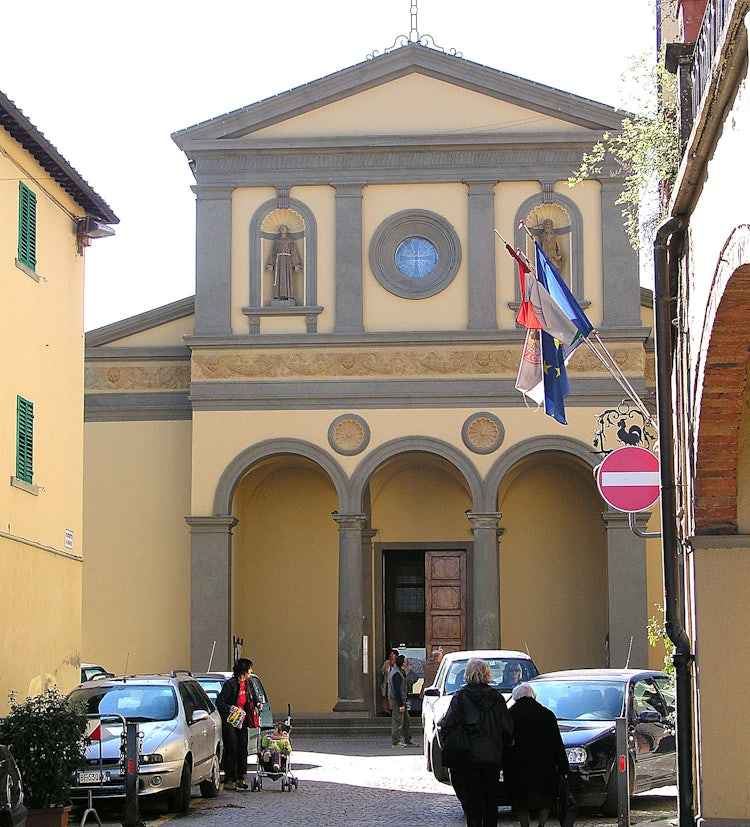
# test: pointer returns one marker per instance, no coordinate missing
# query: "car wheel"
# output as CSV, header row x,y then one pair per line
x,y
610,807
179,801
211,786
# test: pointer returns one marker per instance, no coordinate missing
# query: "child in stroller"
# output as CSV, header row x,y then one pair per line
x,y
274,756
275,747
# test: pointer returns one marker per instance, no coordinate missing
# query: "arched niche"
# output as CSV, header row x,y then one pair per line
x,y
568,231
303,229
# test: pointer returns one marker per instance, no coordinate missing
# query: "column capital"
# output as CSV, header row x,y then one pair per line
x,y
350,522
621,519
488,520
210,525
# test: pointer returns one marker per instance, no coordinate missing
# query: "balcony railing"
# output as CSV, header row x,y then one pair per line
x,y
718,13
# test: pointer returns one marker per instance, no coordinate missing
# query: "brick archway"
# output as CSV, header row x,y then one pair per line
x,y
726,347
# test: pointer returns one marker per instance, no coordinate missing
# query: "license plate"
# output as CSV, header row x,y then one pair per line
x,y
93,777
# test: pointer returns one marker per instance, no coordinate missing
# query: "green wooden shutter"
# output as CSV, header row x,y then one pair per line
x,y
26,225
25,440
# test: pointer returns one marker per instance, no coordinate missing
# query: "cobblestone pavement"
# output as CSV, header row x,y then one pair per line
x,y
363,782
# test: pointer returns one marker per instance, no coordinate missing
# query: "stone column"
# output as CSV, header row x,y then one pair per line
x,y
485,581
349,288
481,256
211,591
372,681
351,613
626,586
213,242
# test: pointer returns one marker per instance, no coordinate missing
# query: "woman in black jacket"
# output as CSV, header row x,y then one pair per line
x,y
537,760
482,710
236,697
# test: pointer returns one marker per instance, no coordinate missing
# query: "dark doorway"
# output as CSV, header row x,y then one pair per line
x,y
424,600
404,575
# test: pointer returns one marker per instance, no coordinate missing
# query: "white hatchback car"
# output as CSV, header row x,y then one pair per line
x,y
180,738
503,663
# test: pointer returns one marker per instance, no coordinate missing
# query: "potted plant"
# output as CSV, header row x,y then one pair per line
x,y
47,736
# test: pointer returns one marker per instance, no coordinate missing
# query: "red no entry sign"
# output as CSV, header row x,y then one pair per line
x,y
628,479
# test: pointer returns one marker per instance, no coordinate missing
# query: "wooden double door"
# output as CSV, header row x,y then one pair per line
x,y
424,599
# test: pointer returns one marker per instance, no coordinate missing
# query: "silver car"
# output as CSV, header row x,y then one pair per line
x,y
450,678
180,738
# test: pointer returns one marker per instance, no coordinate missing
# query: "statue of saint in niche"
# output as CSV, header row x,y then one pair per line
x,y
284,261
550,244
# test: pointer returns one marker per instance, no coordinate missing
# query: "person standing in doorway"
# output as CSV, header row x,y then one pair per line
x,y
385,676
238,706
431,667
398,692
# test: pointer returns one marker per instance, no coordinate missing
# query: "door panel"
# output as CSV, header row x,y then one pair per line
x,y
445,600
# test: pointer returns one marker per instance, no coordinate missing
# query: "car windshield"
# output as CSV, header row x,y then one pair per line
x,y
581,700
506,673
136,702
212,686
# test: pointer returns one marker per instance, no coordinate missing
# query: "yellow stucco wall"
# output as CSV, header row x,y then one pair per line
x,y
41,339
722,584
137,569
285,582
548,562
407,105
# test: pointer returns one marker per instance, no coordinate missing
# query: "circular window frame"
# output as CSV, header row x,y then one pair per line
x,y
408,224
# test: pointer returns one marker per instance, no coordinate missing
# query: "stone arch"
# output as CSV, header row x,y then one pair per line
x,y
311,249
576,235
363,472
528,447
721,382
242,463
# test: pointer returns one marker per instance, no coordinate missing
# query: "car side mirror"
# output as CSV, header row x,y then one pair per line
x,y
432,692
650,716
198,715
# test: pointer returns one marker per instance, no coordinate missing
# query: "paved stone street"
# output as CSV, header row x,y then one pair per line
x,y
362,782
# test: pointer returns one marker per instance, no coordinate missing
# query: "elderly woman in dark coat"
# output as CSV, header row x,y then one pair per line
x,y
483,711
537,760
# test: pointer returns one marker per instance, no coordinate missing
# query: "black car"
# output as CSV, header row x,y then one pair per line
x,y
586,703
12,808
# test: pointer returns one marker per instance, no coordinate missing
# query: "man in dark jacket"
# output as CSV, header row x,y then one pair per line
x,y
398,692
237,703
537,760
482,711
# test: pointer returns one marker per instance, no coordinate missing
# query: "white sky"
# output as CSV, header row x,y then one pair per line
x,y
108,83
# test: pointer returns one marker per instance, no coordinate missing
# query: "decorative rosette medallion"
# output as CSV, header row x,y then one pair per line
x,y
349,434
483,433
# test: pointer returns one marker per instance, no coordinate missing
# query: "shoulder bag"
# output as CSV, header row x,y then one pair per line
x,y
457,750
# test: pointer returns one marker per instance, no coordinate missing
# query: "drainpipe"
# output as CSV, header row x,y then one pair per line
x,y
664,264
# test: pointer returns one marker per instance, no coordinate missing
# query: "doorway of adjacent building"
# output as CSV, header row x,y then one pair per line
x,y
424,600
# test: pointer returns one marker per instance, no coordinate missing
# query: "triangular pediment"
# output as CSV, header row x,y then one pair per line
x,y
410,89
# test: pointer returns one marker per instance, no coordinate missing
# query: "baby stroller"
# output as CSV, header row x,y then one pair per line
x,y
264,769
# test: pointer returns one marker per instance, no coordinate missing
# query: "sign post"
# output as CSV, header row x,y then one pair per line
x,y
629,479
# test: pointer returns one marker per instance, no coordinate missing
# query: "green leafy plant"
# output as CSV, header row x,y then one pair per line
x,y
657,637
647,150
47,736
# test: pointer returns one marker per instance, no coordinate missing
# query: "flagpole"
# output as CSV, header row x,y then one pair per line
x,y
612,367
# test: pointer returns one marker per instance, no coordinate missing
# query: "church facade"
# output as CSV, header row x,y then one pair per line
x,y
322,454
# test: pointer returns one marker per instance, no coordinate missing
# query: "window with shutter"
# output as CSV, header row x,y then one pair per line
x,y
26,226
25,440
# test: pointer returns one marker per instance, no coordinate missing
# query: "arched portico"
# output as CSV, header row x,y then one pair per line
x,y
721,389
211,540
626,569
